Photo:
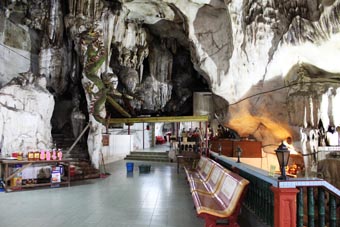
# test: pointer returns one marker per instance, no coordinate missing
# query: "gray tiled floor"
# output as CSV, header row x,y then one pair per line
x,y
160,198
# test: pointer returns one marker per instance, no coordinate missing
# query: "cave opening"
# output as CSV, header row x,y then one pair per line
x,y
165,79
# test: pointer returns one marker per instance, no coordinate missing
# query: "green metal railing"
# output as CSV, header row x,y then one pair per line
x,y
317,202
321,209
259,198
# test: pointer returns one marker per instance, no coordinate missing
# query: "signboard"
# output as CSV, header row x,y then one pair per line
x,y
106,139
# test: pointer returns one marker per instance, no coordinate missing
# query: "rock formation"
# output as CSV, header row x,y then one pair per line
x,y
271,65
25,111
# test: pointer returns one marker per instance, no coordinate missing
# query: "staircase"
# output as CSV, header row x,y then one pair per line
x,y
148,156
79,155
79,152
84,170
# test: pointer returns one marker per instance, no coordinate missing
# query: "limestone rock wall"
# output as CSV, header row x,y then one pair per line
x,y
15,51
25,112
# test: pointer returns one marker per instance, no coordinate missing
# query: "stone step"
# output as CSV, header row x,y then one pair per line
x,y
78,152
84,170
149,153
63,141
61,137
147,158
77,156
80,158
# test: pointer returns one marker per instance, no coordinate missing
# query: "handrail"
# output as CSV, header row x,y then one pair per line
x,y
200,118
260,173
78,138
291,183
309,182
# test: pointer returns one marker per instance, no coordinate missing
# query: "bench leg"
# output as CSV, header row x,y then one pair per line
x,y
233,221
210,221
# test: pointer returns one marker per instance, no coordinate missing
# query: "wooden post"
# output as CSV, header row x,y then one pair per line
x,y
143,137
153,134
206,139
284,206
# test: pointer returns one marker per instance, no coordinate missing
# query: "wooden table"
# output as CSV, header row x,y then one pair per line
x,y
25,164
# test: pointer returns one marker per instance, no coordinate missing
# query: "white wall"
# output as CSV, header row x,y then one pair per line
x,y
159,129
121,144
137,130
119,147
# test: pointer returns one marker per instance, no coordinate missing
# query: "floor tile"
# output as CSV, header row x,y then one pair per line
x,y
158,199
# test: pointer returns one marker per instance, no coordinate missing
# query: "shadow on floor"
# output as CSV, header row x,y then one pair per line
x,y
248,219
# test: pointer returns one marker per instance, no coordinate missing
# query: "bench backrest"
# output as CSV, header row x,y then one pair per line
x,y
201,163
216,177
207,170
231,190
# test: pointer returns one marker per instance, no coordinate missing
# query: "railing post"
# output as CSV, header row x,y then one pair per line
x,y
321,207
310,206
284,206
300,208
332,211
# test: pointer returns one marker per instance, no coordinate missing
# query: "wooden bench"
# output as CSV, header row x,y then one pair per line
x,y
209,185
201,172
217,192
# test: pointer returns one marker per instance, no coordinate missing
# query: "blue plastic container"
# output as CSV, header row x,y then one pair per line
x,y
129,167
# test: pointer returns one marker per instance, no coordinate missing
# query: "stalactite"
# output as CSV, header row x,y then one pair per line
x,y
316,107
72,5
80,8
108,20
169,71
330,105
309,107
336,111
141,67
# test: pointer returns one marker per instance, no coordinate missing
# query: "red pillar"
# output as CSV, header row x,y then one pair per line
x,y
284,206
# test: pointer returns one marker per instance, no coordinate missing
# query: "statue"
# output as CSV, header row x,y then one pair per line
x,y
332,136
111,82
